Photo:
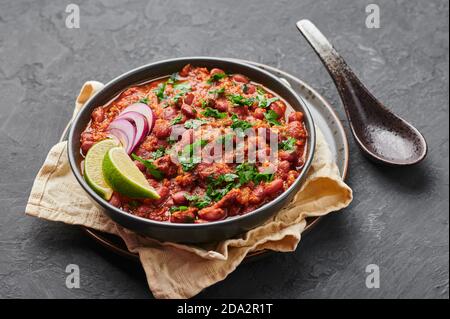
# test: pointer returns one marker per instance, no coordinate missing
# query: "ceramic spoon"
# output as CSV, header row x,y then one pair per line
x,y
382,136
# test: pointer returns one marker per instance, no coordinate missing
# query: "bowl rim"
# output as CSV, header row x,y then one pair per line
x,y
106,205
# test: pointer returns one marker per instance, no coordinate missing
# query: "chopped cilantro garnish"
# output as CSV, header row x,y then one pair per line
x,y
198,201
260,90
239,100
265,102
144,100
158,153
194,124
272,117
160,91
178,208
204,103
239,124
288,144
151,168
173,78
189,158
210,112
183,86
216,77
176,120
218,187
217,91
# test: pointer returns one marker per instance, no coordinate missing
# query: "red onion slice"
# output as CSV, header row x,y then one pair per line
x,y
125,132
140,123
143,109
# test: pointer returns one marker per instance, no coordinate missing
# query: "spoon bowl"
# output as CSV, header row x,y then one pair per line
x,y
381,135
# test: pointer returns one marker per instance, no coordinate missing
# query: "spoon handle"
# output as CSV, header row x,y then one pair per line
x,y
350,88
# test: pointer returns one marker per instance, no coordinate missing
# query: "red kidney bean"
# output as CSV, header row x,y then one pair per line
x,y
279,108
189,98
188,110
86,146
273,188
115,200
295,129
98,115
283,167
250,89
211,213
179,198
295,116
185,70
259,113
170,113
287,156
86,136
240,78
161,129
142,210
216,71
183,216
221,105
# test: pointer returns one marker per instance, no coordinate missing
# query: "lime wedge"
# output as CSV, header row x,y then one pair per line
x,y
124,177
93,173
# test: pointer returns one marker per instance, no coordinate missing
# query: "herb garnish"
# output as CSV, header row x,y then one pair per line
x,y
217,91
151,168
198,201
173,78
189,158
239,100
160,91
176,120
288,144
160,152
216,77
194,124
144,100
239,124
272,117
178,208
210,112
245,172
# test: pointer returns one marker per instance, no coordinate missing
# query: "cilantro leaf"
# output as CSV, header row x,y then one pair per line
x,y
178,208
144,100
272,117
239,124
194,124
173,78
160,91
188,158
210,112
216,77
198,201
160,152
217,91
239,100
288,144
151,168
176,120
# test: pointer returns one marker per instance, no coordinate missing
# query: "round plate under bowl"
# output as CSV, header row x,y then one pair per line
x,y
325,119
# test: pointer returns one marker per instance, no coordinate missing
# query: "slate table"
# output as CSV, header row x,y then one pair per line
x,y
399,217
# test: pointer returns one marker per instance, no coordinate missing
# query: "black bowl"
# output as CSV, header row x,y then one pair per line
x,y
188,233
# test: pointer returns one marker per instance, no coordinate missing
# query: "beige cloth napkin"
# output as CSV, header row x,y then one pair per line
x,y
182,271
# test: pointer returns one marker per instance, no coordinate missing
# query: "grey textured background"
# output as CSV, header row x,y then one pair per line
x,y
398,220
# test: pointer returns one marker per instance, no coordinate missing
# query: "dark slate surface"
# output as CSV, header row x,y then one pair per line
x,y
398,220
